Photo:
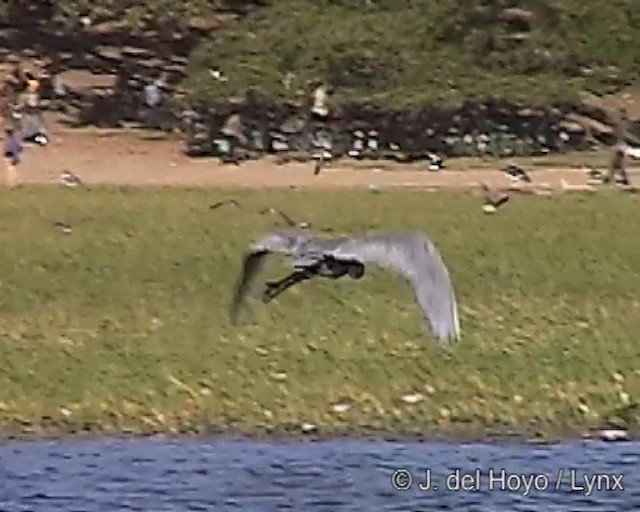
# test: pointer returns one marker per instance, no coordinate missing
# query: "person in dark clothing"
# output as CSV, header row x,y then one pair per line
x,y
12,150
617,165
17,80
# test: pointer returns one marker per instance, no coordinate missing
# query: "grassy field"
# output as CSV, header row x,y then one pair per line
x,y
121,325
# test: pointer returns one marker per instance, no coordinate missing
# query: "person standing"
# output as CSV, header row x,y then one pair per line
x,y
33,91
233,131
617,165
319,108
11,152
153,99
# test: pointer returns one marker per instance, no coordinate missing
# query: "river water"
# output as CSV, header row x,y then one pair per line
x,y
153,475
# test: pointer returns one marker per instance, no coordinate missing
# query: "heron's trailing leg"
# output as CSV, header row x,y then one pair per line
x,y
275,288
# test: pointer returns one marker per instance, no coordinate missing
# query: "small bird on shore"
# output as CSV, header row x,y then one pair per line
x,y
319,164
436,162
633,152
287,220
595,176
41,139
231,159
412,255
68,179
517,174
217,205
63,226
492,199
274,211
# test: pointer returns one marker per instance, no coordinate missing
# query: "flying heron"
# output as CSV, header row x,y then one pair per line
x,y
414,256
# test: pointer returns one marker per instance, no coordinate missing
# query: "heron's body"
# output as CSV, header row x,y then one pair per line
x,y
412,255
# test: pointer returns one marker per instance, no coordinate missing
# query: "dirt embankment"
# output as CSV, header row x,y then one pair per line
x,y
133,158
137,158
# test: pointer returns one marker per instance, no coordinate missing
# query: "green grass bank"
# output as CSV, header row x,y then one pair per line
x,y
408,53
400,55
121,326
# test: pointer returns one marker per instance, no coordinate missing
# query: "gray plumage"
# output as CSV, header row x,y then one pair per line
x,y
412,255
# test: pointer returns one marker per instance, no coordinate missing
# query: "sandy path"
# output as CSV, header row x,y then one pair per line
x,y
129,158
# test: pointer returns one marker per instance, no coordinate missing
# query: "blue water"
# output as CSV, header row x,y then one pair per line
x,y
154,475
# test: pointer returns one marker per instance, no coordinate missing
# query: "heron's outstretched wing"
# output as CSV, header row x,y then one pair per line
x,y
280,241
252,263
417,259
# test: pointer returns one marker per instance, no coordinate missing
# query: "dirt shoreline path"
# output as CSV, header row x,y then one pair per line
x,y
137,159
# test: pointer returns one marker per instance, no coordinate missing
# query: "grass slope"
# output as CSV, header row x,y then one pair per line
x,y
410,52
121,325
